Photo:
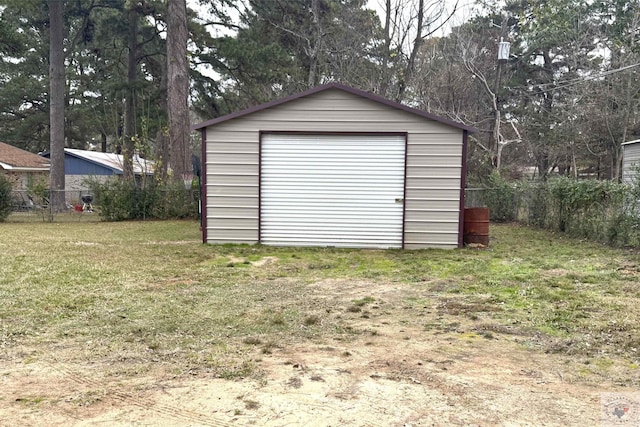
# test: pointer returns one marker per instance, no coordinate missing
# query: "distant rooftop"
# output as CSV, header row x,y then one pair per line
x,y
113,161
15,159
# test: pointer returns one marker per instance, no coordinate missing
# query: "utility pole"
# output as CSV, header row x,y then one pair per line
x,y
503,56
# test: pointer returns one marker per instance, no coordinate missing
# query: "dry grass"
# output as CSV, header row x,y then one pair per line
x,y
133,295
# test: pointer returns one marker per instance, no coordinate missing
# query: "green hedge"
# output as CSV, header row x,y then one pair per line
x,y
603,211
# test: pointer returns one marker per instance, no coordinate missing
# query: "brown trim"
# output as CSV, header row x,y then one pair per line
x,y
329,132
404,185
270,132
260,133
203,195
337,86
463,184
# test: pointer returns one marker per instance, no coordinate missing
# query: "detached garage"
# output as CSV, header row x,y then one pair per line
x,y
334,166
630,160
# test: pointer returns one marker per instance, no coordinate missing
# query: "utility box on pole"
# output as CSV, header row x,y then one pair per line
x,y
503,50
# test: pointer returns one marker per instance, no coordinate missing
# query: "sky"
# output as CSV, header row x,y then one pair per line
x,y
463,9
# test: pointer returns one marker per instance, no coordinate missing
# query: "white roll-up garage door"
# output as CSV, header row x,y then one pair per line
x,y
332,190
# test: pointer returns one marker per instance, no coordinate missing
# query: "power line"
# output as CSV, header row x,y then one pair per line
x,y
586,79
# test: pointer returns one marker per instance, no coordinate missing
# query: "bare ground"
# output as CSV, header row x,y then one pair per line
x,y
392,371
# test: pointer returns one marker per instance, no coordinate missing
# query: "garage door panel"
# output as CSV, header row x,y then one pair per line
x,y
328,190
326,184
331,241
328,224
316,215
328,201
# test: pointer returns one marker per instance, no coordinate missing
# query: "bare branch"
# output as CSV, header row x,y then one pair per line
x,y
223,24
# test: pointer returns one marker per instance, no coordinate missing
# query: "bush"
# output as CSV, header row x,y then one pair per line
x,y
119,200
624,230
501,199
603,211
586,208
6,200
536,201
596,210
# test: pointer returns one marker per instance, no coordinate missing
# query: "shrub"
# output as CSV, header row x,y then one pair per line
x,y
6,200
603,211
585,208
174,201
120,200
501,199
535,197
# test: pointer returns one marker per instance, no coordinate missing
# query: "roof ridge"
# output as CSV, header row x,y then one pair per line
x,y
339,86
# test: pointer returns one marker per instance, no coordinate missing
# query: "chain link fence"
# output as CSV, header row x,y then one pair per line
x,y
30,207
598,211
505,206
86,205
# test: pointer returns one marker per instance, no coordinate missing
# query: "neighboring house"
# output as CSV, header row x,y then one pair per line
x,y
82,165
22,167
630,160
334,166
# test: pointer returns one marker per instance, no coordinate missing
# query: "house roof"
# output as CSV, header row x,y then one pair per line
x,y
112,161
16,159
635,141
335,86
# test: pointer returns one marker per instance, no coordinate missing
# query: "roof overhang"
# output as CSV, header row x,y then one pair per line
x,y
635,141
145,167
12,168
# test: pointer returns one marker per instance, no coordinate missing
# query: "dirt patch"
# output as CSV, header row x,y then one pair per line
x,y
412,378
406,357
556,272
264,261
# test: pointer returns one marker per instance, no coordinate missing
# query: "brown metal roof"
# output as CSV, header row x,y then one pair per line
x,y
13,157
341,87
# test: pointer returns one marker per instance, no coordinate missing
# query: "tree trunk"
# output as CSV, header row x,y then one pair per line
x,y
128,139
386,54
163,147
409,71
314,51
56,103
178,89
495,132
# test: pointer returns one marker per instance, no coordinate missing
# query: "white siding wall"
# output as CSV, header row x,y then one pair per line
x,y
434,161
630,160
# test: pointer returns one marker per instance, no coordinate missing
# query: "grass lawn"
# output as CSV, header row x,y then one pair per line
x,y
132,296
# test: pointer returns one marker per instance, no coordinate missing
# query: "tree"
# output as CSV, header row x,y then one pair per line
x,y
129,135
407,24
282,47
614,104
554,41
56,102
24,68
478,50
178,88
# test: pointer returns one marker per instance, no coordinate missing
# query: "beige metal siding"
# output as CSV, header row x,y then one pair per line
x,y
630,160
434,167
434,159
